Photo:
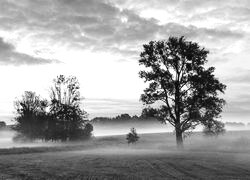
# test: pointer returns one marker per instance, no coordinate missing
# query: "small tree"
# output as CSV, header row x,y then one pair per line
x,y
132,136
214,128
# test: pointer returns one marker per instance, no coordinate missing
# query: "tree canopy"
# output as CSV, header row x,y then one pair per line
x,y
31,115
67,115
186,91
61,118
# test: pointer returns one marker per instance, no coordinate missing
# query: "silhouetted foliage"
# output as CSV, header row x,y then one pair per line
x,y
132,136
186,90
2,124
65,90
64,120
149,113
214,128
122,119
87,131
31,115
235,124
66,116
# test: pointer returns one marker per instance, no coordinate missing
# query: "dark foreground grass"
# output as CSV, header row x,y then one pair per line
x,y
154,157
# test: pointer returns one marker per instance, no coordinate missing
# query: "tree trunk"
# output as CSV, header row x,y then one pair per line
x,y
179,139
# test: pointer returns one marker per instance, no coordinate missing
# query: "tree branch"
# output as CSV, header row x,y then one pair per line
x,y
167,103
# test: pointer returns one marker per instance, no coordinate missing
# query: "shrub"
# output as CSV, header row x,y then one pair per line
x,y
132,136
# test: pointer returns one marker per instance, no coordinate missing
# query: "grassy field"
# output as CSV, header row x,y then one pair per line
x,y
153,157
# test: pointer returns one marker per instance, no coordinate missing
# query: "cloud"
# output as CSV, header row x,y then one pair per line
x,y
235,14
237,108
242,76
98,25
8,55
113,107
191,31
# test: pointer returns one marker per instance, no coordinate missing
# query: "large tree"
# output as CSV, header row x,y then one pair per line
x,y
179,82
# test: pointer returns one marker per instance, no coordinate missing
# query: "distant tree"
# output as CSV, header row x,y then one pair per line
x,y
67,118
2,124
148,112
214,128
179,81
135,117
102,120
31,115
123,117
132,136
235,124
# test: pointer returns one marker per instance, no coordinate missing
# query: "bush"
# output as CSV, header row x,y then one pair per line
x,y
132,136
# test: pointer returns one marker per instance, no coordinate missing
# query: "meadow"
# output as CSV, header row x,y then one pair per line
x,y
153,157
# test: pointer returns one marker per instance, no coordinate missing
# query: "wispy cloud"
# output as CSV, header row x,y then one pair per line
x,y
9,56
102,25
112,107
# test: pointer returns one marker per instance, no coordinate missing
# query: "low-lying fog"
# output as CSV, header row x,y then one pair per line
x,y
6,141
6,138
124,128
104,130
146,128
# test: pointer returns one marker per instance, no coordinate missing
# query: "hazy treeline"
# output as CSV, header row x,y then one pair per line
x,y
145,116
59,118
236,124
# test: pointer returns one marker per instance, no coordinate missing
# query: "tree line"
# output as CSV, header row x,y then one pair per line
x,y
58,119
145,116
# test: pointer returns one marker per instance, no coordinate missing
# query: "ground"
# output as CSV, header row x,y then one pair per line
x,y
153,157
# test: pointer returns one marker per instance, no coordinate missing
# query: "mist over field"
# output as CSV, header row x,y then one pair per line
x,y
7,141
124,128
6,138
147,127
231,140
107,156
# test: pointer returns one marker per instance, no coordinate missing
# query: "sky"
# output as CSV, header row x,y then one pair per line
x,y
99,42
